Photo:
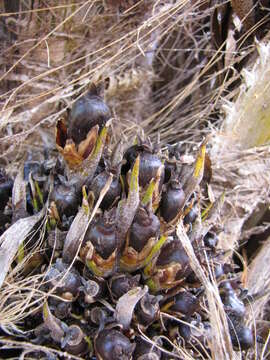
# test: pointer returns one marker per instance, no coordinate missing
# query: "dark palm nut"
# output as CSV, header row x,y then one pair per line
x,y
92,289
66,281
147,310
145,350
102,235
170,268
122,283
184,332
233,305
88,111
98,315
241,336
184,303
63,310
218,270
191,215
66,199
172,201
149,164
113,345
74,341
173,252
6,185
145,225
33,167
210,240
130,156
112,194
4,219
170,167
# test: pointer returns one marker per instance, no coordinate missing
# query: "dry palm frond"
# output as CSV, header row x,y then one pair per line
x,y
241,141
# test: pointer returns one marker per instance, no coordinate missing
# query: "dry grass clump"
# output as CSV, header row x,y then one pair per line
x,y
165,68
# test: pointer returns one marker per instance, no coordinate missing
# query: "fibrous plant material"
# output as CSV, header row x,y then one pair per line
x,y
245,131
156,59
76,43
139,265
71,49
243,173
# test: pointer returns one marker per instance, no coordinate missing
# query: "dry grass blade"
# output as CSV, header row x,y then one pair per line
x,y
183,354
12,239
220,343
12,344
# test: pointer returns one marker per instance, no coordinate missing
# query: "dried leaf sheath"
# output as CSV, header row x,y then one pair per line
x,y
77,230
126,304
127,208
12,239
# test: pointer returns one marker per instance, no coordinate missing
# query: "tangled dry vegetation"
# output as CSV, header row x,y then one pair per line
x,y
174,70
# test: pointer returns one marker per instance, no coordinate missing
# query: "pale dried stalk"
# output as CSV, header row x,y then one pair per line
x,y
220,343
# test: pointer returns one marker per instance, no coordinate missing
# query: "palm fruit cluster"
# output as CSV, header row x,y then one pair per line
x,y
118,278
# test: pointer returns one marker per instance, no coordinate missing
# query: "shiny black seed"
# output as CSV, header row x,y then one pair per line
x,y
210,240
6,185
88,111
173,251
102,235
191,215
149,164
241,336
66,199
147,309
185,303
145,350
113,345
172,201
233,305
70,283
121,284
146,225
